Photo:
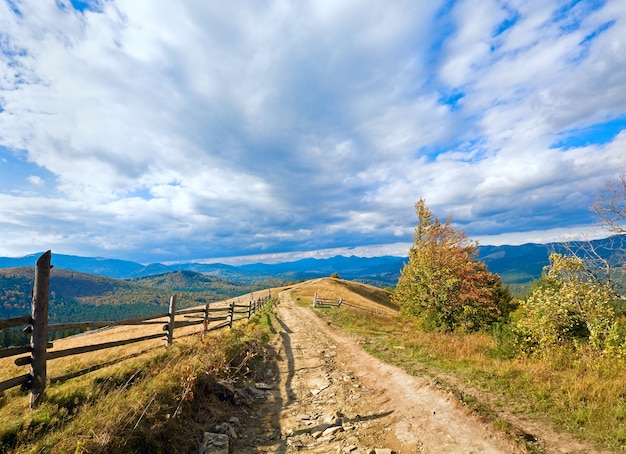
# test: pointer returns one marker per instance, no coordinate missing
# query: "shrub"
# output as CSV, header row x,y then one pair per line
x,y
566,308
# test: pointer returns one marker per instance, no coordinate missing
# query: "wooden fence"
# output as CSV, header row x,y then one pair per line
x,y
323,303
38,327
326,302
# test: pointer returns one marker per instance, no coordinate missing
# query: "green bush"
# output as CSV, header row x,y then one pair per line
x,y
566,308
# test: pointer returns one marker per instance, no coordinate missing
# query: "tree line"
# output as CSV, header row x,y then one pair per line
x,y
78,296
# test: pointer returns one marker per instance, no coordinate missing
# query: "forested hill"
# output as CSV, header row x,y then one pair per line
x,y
82,296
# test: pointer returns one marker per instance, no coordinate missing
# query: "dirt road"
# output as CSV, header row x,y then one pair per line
x,y
326,395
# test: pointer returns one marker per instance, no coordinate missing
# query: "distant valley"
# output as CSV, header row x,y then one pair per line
x,y
77,296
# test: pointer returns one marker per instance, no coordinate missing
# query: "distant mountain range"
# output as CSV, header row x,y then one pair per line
x,y
515,264
87,288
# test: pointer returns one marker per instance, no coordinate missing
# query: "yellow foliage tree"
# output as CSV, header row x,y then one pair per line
x,y
566,308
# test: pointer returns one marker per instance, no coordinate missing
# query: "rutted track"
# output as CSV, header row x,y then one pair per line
x,y
330,396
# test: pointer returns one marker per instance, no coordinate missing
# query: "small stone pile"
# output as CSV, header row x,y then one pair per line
x,y
218,442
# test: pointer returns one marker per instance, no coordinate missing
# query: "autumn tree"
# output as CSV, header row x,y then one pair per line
x,y
443,284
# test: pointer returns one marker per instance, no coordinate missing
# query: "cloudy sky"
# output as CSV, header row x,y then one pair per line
x,y
154,130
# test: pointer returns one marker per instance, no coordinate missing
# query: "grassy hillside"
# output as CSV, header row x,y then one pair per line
x,y
161,400
356,295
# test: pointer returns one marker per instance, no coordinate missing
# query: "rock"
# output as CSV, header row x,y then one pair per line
x,y
213,443
257,393
263,386
226,428
315,392
225,390
349,449
295,444
332,431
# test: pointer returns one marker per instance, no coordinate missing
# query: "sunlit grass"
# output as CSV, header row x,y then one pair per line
x,y
143,404
583,393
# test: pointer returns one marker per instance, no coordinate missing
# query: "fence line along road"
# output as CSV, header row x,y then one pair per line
x,y
38,327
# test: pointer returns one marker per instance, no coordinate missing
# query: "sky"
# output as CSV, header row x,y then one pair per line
x,y
270,130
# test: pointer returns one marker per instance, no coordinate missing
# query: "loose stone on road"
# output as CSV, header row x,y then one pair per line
x,y
329,396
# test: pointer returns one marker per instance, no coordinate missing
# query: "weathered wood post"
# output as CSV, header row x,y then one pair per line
x,y
39,336
250,308
231,314
207,314
170,326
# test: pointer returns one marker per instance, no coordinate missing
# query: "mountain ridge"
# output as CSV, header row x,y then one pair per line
x,y
516,264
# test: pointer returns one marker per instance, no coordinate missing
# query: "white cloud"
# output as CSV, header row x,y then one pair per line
x,y
36,180
193,129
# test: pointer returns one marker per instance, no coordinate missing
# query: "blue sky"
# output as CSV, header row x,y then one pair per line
x,y
245,131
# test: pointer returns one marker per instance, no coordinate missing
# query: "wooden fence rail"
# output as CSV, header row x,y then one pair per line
x,y
39,328
326,302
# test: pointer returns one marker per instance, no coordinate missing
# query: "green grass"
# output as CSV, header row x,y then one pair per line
x,y
148,404
582,393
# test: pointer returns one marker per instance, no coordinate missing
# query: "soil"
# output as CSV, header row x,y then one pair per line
x,y
324,394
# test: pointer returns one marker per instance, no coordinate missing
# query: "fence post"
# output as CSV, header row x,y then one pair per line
x,y
250,309
231,314
39,336
205,325
170,326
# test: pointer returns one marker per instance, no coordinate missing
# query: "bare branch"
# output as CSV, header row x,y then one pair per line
x,y
610,205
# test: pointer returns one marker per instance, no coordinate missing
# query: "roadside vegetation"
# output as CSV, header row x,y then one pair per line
x,y
559,353
443,286
161,401
577,390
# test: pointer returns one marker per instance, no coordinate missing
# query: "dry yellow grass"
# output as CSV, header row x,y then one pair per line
x,y
362,296
61,366
104,405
